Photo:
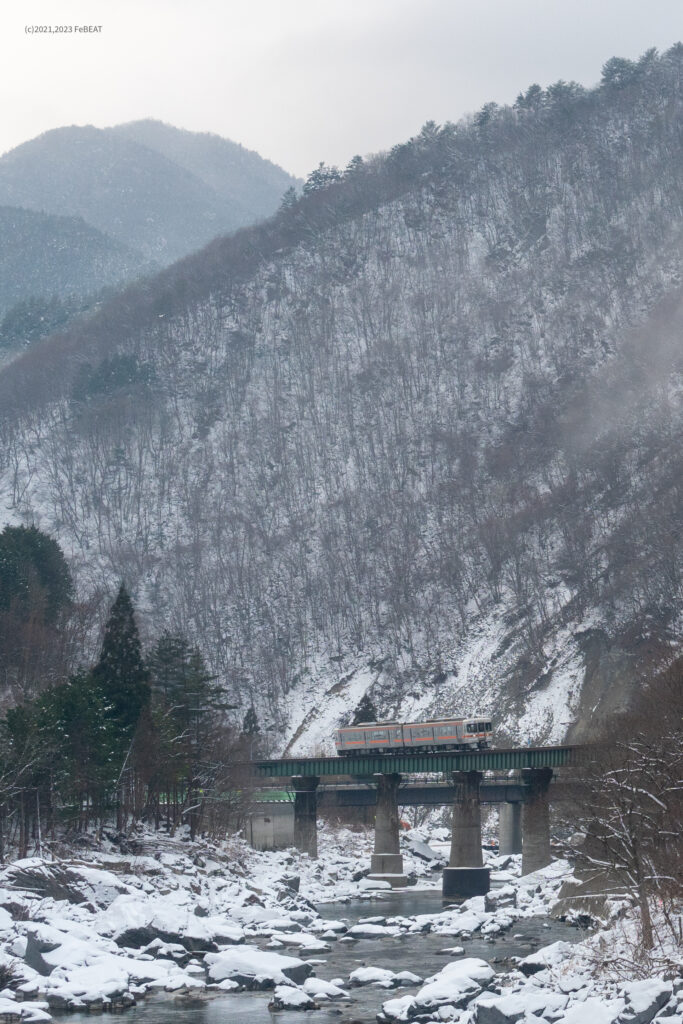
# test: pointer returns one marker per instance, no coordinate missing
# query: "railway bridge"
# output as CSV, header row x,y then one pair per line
x,y
524,798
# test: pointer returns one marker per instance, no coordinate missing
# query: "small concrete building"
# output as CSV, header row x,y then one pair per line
x,y
271,825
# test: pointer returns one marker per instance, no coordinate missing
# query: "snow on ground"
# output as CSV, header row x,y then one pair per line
x,y
317,714
103,929
550,711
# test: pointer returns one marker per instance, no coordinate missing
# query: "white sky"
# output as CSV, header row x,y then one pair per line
x,y
304,80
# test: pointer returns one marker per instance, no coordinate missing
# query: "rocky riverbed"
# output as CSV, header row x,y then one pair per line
x,y
205,925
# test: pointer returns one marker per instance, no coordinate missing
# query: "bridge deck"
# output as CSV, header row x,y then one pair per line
x,y
410,763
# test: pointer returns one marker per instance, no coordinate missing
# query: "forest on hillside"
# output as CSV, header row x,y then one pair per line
x,y
419,432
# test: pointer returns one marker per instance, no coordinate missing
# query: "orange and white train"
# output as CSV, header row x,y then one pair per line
x,y
393,737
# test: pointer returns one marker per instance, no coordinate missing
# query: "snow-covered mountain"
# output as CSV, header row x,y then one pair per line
x,y
156,189
418,435
45,255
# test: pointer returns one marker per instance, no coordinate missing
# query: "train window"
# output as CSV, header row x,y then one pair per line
x,y
378,734
470,727
488,727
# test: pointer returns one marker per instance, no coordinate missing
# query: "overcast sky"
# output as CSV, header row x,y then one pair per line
x,y
304,80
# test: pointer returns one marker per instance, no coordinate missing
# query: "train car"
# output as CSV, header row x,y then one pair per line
x,y
377,737
392,737
477,731
448,734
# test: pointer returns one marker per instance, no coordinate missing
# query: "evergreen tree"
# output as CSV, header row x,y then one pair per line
x,y
250,725
355,164
34,575
365,712
320,178
76,726
186,702
183,690
120,672
35,600
289,199
618,72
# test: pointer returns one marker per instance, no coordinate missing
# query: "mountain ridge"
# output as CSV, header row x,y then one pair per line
x,y
417,435
47,254
133,191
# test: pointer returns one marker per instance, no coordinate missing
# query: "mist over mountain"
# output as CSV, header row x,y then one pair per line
x,y
154,188
417,435
46,255
252,185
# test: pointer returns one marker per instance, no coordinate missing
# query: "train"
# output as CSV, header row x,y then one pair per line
x,y
472,733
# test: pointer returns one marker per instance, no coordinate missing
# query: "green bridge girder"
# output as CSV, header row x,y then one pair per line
x,y
405,764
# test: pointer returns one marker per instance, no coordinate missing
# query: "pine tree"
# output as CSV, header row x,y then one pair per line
x,y
34,576
289,199
250,725
77,730
183,690
365,712
120,672
36,594
186,710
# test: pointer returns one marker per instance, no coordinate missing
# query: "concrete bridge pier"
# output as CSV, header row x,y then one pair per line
x,y
387,862
305,814
536,819
510,828
466,875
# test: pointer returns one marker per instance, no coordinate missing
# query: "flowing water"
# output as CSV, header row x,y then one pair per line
x,y
420,954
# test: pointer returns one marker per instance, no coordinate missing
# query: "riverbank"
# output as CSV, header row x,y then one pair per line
x,y
106,929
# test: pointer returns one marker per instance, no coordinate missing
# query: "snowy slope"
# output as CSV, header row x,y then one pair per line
x,y
418,437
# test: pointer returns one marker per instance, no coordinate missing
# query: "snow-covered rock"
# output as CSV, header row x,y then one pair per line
x,y
256,968
26,1012
383,977
593,1010
134,921
454,986
507,1009
321,990
372,931
643,1000
304,941
419,848
287,997
547,956
366,884
505,896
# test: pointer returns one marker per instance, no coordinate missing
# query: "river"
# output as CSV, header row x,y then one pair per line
x,y
420,954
